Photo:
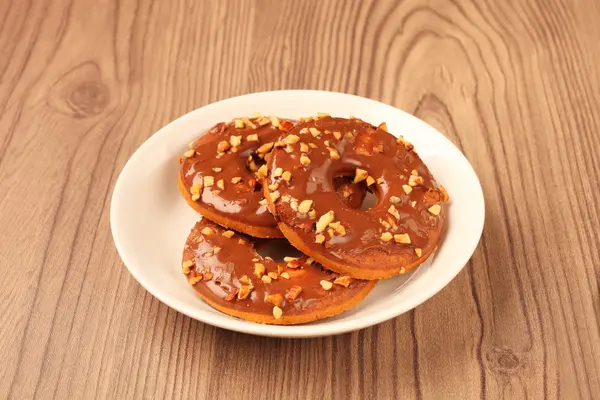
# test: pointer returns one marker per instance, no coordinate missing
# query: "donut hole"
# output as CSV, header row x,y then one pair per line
x,y
253,163
369,201
277,249
354,195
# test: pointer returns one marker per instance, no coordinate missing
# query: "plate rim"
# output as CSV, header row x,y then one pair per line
x,y
293,331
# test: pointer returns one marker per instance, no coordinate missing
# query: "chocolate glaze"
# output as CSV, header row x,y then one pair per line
x,y
237,257
237,200
387,161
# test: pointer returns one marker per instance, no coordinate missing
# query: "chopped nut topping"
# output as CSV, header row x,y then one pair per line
x,y
312,145
294,205
319,238
306,119
379,181
273,275
293,292
252,138
333,153
385,224
191,144
221,184
402,238
277,312
290,259
207,276
309,261
259,269
208,181
386,236
339,228
402,270
304,147
322,115
265,148
395,199
400,140
350,136
330,232
263,202
277,172
312,214
244,292
262,171
274,196
337,135
217,250
407,189
273,186
275,299
370,180
235,140
414,172
186,266
383,127
249,123
274,121
238,123
409,146
287,176
418,252
196,197
195,279
392,210
291,139
305,206
266,279
326,284
217,169
228,234
415,180
304,160
324,221
190,153
343,280
236,179
264,121
215,192
413,203
435,209
207,231
245,280
303,131
223,146
360,175
378,148
285,275
195,189
314,131
285,126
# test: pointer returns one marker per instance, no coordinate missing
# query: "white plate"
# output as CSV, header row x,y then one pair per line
x,y
150,221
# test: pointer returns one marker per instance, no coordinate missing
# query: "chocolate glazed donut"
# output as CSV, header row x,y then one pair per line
x,y
394,236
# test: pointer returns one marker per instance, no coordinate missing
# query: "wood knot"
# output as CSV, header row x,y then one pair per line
x,y
80,92
504,361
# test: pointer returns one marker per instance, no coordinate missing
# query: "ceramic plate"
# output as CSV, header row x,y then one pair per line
x,y
150,221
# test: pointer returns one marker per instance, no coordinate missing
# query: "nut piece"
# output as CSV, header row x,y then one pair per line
x,y
235,140
263,121
337,135
287,176
223,146
400,140
304,160
326,284
293,292
265,148
407,189
305,206
277,312
244,292
343,280
333,153
383,127
186,266
418,252
360,175
386,236
273,186
236,179
435,209
277,173
274,196
266,279
370,180
413,203
238,123
221,184
252,138
291,139
217,250
275,299
208,181
338,227
314,131
274,121
206,231
322,115
304,147
325,220
303,131
273,275
196,279
190,153
285,275
415,180
262,171
392,210
395,199
228,234
195,189
259,269
319,238
402,238
245,280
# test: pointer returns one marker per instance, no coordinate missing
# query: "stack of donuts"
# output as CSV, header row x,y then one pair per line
x,y
262,178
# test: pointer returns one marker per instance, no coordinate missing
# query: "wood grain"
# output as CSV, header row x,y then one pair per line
x,y
514,84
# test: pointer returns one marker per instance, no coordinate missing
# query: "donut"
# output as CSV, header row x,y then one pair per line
x,y
228,273
394,236
220,175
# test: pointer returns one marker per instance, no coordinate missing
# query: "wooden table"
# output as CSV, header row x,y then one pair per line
x,y
514,84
